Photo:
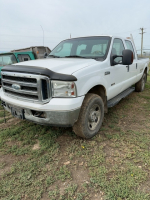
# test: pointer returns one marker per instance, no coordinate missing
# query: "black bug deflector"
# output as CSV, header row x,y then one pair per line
x,y
39,71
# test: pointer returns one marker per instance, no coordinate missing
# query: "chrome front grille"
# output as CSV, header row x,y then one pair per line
x,y
27,87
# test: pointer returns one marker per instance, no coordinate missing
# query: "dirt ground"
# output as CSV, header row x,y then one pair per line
x,y
38,162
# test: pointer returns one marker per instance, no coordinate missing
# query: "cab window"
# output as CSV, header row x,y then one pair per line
x,y
81,49
130,46
1,61
64,49
23,57
99,48
7,60
117,49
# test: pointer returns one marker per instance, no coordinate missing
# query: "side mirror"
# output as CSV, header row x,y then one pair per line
x,y
112,59
127,57
45,54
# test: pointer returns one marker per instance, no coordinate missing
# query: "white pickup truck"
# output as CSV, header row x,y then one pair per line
x,y
77,83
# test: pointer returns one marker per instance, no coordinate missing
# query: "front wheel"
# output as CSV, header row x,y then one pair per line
x,y
140,85
91,116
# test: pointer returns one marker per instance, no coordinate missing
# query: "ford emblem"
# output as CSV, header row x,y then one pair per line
x,y
16,86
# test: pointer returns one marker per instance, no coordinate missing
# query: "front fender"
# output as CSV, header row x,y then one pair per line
x,y
84,84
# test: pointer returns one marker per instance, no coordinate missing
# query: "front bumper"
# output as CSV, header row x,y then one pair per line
x,y
58,112
51,118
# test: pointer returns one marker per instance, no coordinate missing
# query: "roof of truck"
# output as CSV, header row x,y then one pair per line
x,y
114,36
94,36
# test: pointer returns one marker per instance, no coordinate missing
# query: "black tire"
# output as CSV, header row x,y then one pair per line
x,y
140,85
90,117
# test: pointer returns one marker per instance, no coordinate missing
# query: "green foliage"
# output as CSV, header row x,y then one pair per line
x,y
63,173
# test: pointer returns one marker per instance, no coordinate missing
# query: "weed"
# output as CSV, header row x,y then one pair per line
x,y
116,161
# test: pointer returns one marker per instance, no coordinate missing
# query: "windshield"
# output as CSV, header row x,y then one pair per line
x,y
89,47
7,60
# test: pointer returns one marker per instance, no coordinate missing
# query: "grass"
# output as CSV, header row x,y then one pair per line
x,y
39,162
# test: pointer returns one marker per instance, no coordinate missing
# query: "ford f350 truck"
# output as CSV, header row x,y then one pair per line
x,y
76,84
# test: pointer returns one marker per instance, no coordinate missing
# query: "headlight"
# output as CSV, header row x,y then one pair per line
x,y
63,89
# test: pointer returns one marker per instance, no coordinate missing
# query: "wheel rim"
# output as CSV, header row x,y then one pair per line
x,y
94,116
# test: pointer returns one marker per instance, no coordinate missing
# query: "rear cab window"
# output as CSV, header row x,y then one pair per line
x,y
23,57
81,49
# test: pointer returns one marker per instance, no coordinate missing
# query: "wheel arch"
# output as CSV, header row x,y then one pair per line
x,y
146,68
145,71
101,91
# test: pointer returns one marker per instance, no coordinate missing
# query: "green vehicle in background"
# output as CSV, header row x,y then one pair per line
x,y
21,55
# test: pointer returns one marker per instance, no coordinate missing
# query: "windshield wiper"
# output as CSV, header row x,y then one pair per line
x,y
74,56
54,56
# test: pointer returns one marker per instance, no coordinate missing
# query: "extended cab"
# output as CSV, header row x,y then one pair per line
x,y
76,84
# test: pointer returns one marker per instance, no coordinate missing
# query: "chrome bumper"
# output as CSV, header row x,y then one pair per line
x,y
51,118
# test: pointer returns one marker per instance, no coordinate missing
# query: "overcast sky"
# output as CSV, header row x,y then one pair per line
x,y
21,21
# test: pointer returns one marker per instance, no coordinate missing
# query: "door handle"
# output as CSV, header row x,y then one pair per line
x,y
136,65
127,68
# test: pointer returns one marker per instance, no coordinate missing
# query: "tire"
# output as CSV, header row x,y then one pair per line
x,y
90,117
140,85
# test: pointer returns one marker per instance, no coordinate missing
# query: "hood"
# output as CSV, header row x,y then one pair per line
x,y
60,65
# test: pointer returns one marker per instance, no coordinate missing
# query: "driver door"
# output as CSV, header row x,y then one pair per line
x,y
118,71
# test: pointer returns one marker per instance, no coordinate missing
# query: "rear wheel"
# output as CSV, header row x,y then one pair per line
x,y
91,116
140,85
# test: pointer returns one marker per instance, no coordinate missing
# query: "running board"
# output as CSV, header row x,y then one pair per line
x,y
115,100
